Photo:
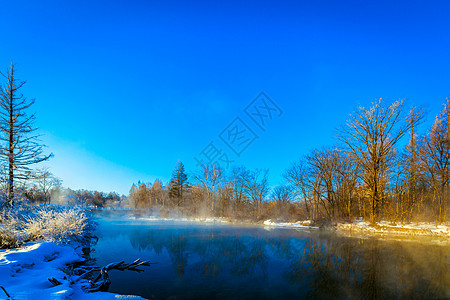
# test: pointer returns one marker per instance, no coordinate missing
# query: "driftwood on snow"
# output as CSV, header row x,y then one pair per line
x,y
98,277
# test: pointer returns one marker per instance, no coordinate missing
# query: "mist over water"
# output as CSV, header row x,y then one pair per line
x,y
221,261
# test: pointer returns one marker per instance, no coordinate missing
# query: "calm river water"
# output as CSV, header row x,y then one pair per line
x,y
216,261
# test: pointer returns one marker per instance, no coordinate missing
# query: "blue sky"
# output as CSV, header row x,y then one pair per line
x,y
125,89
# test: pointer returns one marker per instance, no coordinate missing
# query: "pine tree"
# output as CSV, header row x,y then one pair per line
x,y
179,185
20,146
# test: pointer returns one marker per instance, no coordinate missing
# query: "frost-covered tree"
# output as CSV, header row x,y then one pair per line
x,y
371,136
43,186
436,157
210,178
20,146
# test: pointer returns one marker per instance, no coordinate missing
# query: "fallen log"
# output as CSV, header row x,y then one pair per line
x,y
54,281
98,277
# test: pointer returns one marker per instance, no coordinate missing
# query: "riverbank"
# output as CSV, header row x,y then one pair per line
x,y
307,224
25,273
42,245
384,227
358,226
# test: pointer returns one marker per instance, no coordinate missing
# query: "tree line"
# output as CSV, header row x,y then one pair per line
x,y
380,168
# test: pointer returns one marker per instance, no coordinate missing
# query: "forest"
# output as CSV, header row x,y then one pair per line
x,y
379,169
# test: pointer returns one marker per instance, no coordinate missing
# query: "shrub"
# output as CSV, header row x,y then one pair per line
x,y
48,224
56,226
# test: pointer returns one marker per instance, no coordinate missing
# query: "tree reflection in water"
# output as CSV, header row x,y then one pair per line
x,y
226,262
371,269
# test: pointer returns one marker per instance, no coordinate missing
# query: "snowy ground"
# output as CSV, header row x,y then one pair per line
x,y
24,273
361,226
184,219
267,224
430,229
299,224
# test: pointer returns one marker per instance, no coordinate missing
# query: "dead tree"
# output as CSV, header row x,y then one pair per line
x,y
20,146
97,277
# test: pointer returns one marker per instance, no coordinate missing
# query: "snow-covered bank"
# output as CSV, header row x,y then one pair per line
x,y
24,273
359,226
219,220
385,227
299,224
184,219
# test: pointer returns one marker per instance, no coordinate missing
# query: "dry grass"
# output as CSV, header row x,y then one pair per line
x,y
46,224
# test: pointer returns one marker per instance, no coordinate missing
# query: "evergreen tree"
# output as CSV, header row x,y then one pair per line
x,y
179,185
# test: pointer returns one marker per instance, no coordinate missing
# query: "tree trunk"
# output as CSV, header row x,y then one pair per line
x,y
11,146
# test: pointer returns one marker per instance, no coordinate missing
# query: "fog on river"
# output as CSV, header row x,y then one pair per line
x,y
223,261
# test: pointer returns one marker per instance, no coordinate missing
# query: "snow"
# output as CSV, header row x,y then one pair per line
x,y
358,225
268,224
299,224
421,228
184,219
24,273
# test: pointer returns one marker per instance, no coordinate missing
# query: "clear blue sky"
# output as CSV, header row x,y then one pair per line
x,y
125,89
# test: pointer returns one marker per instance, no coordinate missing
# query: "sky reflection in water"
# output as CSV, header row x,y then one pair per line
x,y
199,261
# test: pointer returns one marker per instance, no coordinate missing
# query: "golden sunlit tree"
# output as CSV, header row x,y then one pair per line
x,y
371,135
436,157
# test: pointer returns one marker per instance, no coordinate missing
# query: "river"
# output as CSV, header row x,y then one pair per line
x,y
223,261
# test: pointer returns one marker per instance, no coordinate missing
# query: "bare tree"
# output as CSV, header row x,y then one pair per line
x,y
324,169
408,177
238,180
347,183
140,195
297,178
371,135
282,196
225,194
45,182
210,178
436,157
157,195
20,147
257,186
